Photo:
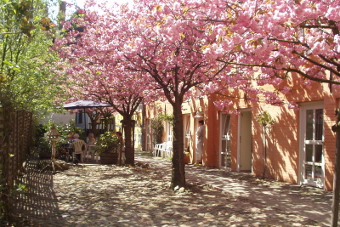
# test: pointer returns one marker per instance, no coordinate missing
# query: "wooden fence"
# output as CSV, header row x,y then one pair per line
x,y
15,143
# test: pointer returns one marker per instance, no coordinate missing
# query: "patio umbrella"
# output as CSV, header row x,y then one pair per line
x,y
83,104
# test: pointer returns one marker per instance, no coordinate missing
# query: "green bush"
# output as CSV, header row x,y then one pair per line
x,y
108,142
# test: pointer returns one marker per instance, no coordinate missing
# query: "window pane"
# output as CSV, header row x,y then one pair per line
x,y
223,164
80,117
227,124
309,124
228,146
223,160
318,153
309,152
229,161
309,172
318,172
224,122
224,146
318,124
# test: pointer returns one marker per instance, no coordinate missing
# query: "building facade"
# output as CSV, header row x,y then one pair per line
x,y
298,147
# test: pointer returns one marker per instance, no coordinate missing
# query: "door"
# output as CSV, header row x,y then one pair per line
x,y
311,150
244,142
196,125
225,153
170,131
186,132
148,135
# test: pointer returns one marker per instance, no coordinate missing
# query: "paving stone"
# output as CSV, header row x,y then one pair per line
x,y
110,195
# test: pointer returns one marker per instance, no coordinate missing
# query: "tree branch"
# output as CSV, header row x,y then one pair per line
x,y
285,69
318,63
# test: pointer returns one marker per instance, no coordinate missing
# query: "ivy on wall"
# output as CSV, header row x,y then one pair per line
x,y
158,126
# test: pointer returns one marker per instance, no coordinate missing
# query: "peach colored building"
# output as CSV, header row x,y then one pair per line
x,y
299,145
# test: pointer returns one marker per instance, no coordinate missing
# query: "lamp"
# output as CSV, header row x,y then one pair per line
x,y
198,114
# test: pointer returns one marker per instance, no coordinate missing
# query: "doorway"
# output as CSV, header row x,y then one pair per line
x,y
196,126
311,144
186,132
225,146
148,133
244,160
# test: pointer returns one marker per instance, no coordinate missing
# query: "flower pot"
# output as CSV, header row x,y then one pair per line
x,y
108,158
186,159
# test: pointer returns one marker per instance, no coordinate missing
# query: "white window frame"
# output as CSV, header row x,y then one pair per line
x,y
302,142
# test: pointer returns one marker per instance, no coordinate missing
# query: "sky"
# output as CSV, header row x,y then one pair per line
x,y
80,3
55,7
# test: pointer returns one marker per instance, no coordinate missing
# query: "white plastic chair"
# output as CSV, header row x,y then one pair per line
x,y
78,149
168,150
162,149
155,150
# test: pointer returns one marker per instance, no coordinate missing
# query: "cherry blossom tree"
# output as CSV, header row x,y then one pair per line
x,y
126,55
95,72
287,36
161,45
277,37
161,42
165,45
177,44
174,46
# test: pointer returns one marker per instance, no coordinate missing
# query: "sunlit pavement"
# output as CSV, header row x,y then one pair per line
x,y
91,194
310,202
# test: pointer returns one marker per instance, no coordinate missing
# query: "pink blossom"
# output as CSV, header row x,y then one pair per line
x,y
293,105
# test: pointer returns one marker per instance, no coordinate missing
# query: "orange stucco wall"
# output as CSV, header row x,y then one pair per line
x,y
282,139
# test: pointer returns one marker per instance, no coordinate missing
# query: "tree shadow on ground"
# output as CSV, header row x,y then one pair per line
x,y
37,205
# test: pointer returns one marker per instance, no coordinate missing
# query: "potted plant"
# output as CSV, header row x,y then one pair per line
x,y
186,157
107,148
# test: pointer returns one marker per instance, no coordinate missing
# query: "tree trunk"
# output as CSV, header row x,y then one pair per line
x,y
94,127
178,170
336,188
128,125
94,116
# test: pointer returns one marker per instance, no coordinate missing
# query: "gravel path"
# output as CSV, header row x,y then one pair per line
x,y
109,195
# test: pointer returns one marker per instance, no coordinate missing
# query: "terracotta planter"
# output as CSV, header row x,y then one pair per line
x,y
108,158
186,159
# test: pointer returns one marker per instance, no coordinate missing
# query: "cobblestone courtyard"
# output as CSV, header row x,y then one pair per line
x,y
109,195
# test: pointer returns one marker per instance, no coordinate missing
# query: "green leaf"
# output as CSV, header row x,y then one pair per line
x,y
8,63
21,188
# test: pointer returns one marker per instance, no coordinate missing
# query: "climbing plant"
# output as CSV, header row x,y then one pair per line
x,y
157,129
167,117
264,119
